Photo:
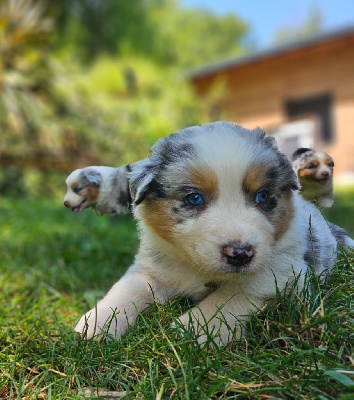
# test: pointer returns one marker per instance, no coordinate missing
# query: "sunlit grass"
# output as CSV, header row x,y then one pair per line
x,y
54,266
342,211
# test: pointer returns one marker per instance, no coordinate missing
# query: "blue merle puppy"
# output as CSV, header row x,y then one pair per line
x,y
314,170
222,223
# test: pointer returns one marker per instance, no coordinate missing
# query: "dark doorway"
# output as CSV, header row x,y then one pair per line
x,y
320,105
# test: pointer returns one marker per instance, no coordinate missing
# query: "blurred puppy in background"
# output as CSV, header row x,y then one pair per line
x,y
221,223
104,189
314,170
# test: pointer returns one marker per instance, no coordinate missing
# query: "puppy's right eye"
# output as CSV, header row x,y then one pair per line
x,y
312,166
195,199
261,197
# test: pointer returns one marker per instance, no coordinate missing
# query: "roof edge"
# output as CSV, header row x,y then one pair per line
x,y
212,68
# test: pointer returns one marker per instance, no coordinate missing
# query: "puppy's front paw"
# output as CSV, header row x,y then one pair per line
x,y
192,325
186,320
325,202
215,331
101,320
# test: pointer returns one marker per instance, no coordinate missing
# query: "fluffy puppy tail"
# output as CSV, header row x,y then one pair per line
x,y
345,241
349,245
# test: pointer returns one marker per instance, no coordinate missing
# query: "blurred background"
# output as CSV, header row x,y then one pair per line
x,y
90,82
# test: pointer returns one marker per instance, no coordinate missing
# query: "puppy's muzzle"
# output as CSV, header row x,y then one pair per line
x,y
238,254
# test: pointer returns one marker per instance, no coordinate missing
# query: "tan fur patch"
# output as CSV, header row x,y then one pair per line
x,y
254,178
328,161
90,193
303,173
281,217
284,216
308,172
205,180
74,186
156,215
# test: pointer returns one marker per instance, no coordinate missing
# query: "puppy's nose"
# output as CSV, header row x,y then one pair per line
x,y
238,254
325,174
66,203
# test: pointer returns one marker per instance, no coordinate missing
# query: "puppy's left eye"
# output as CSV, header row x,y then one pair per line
x,y
194,199
265,201
77,190
262,196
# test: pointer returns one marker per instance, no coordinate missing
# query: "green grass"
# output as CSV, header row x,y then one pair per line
x,y
55,264
342,211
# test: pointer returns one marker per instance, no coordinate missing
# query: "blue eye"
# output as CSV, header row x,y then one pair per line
x,y
261,197
195,199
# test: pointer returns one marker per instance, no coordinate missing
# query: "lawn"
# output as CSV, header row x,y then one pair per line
x,y
342,211
54,265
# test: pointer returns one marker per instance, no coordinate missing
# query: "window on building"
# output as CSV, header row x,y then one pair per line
x,y
320,105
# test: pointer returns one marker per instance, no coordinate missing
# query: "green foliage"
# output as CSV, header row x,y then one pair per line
x,y
57,114
159,30
141,101
24,71
190,37
40,127
94,28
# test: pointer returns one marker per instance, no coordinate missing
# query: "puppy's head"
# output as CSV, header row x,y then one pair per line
x,y
82,189
313,167
219,194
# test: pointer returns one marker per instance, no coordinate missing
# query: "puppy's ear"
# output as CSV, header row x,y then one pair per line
x,y
141,179
90,177
297,153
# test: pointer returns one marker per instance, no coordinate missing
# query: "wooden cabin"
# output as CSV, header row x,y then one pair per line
x,y
303,93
